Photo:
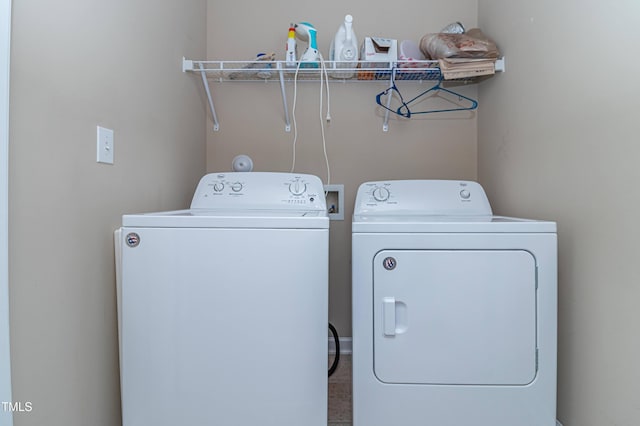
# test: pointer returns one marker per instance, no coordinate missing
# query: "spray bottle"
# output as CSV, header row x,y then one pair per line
x,y
344,49
291,55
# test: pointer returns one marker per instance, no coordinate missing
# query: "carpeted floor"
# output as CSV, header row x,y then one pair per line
x,y
340,393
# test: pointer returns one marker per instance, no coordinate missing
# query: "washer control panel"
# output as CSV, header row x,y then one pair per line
x,y
259,191
422,197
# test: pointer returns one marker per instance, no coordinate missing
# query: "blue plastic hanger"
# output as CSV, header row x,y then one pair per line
x,y
404,110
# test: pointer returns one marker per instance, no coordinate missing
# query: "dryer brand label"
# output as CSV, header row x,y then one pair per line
x,y
389,263
132,239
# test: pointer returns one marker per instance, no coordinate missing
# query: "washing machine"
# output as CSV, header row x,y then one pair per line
x,y
223,307
454,309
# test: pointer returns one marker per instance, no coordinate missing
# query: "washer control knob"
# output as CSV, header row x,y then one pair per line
x,y
465,194
297,188
218,186
236,187
381,194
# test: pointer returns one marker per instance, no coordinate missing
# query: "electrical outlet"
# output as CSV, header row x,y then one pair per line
x,y
105,146
335,201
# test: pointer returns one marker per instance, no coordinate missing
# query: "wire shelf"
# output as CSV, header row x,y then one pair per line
x,y
280,71
335,70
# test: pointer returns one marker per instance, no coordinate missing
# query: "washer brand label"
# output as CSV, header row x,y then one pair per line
x,y
132,239
389,263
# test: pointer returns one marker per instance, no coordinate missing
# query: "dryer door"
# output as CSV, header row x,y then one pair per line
x,y
455,317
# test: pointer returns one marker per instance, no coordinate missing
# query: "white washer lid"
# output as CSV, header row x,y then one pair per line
x,y
247,200
259,191
200,218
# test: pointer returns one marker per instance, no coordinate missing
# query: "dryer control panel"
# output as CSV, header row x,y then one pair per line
x,y
260,191
422,197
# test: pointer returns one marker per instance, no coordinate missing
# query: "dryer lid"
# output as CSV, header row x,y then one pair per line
x,y
432,206
422,197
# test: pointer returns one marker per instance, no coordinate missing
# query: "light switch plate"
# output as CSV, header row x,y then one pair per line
x,y
105,146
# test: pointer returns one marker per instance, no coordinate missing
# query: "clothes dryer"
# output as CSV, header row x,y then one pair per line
x,y
454,309
223,307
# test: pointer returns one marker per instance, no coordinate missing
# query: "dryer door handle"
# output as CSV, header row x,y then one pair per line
x,y
389,316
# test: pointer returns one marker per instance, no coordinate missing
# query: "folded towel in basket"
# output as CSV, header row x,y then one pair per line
x,y
454,68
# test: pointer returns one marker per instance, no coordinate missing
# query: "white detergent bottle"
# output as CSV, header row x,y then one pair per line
x,y
344,50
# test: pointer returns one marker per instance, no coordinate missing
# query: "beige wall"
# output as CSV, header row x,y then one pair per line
x,y
251,116
558,139
75,65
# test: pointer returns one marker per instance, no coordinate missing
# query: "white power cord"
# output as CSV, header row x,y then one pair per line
x,y
293,117
324,79
323,71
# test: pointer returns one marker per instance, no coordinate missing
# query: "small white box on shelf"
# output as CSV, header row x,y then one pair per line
x,y
378,52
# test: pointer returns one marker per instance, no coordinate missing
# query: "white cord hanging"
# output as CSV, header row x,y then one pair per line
x,y
324,81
